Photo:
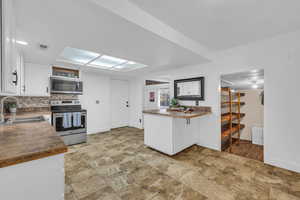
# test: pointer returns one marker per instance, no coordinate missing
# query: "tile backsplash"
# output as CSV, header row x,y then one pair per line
x,y
38,102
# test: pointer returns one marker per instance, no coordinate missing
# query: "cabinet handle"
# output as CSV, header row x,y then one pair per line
x,y
15,73
47,89
24,88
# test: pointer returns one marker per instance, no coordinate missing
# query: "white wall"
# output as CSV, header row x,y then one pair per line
x,y
96,87
254,111
279,57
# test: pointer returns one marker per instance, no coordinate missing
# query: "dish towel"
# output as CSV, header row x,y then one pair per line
x,y
76,119
67,120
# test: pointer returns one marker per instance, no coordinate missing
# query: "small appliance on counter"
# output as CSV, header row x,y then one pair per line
x,y
69,121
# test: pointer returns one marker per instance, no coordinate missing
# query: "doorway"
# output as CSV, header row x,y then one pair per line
x,y
156,94
242,113
119,103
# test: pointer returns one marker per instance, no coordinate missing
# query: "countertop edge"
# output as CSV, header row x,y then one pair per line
x,y
178,116
33,156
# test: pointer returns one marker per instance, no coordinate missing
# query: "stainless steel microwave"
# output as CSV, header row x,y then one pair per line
x,y
61,85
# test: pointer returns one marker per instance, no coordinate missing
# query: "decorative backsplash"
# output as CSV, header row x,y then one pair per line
x,y
39,102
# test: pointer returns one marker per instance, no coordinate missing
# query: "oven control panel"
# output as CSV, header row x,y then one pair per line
x,y
65,102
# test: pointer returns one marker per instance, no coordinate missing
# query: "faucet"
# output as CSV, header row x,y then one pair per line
x,y
2,106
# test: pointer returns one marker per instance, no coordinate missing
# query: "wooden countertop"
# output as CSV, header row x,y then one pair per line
x,y
25,142
176,114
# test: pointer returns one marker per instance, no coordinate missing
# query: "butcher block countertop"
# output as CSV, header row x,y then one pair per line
x,y
29,141
197,112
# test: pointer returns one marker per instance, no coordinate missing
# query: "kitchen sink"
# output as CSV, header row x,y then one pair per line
x,y
23,120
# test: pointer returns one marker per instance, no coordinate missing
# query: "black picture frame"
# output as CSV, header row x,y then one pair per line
x,y
192,97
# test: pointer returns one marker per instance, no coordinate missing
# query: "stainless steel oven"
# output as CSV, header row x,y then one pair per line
x,y
63,85
69,121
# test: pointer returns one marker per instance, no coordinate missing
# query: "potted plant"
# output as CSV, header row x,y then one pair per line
x,y
174,103
12,107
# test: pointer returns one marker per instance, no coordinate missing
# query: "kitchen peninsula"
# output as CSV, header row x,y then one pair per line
x,y
170,131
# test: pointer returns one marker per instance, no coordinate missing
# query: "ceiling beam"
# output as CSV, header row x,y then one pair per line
x,y
138,16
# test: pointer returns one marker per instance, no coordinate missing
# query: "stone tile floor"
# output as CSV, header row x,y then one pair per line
x,y
116,165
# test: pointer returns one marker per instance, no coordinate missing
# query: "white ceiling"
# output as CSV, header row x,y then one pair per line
x,y
222,24
82,24
161,34
243,80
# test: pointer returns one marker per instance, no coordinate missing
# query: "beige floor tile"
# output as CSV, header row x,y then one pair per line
x,y
88,186
105,193
116,165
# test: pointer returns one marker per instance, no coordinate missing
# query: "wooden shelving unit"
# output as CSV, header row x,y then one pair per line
x,y
226,116
231,119
233,103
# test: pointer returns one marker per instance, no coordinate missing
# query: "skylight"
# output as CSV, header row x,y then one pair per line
x,y
107,61
101,61
130,65
77,55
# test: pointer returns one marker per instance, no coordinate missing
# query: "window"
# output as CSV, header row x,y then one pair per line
x,y
164,97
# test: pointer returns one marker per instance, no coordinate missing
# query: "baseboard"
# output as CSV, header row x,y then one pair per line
x,y
217,148
99,131
135,127
283,164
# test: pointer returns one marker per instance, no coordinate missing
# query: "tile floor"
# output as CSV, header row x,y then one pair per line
x,y
116,165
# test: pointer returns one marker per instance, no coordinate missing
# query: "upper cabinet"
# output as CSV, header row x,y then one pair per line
x,y
10,72
36,80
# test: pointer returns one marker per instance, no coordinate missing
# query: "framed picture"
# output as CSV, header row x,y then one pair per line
x,y
152,96
189,89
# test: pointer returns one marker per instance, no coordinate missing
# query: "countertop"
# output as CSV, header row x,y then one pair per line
x,y
200,111
25,142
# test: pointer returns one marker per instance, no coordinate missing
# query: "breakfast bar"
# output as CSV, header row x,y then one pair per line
x,y
171,131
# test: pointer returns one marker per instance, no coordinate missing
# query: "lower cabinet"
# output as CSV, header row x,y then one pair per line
x,y
42,179
168,134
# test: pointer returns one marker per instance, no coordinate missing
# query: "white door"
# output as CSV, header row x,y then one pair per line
x,y
120,103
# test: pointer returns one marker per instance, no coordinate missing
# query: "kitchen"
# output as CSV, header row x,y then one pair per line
x,y
117,100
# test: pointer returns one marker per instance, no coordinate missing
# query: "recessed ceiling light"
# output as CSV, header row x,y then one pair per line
x,y
21,42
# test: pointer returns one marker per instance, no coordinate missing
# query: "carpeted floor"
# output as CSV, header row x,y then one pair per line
x,y
116,165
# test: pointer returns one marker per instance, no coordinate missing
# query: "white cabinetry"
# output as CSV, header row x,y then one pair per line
x,y
36,80
42,179
10,74
168,134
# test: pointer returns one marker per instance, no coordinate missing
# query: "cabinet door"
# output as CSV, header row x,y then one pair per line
x,y
37,79
21,70
9,53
